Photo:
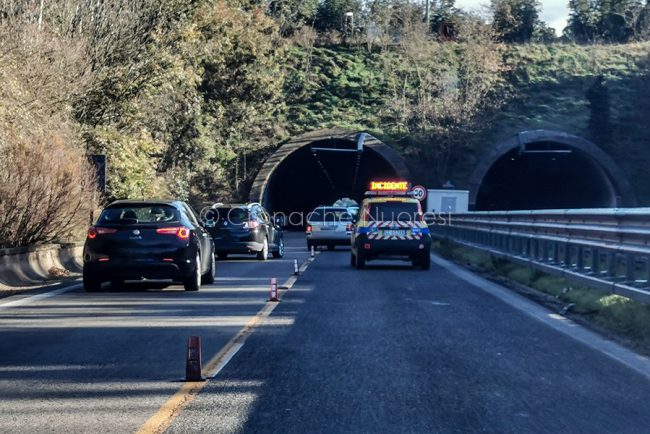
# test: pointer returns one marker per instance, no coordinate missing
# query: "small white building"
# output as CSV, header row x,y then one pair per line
x,y
447,200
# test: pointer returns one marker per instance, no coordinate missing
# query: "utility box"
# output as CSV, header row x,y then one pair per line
x,y
447,201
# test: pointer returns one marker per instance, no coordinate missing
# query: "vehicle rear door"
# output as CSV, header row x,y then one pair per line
x,y
316,219
132,232
230,225
272,231
394,219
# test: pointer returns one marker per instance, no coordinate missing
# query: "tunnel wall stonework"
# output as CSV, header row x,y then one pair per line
x,y
273,162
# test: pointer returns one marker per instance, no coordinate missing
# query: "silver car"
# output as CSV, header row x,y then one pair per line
x,y
329,226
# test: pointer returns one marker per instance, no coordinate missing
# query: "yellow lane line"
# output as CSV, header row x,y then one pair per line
x,y
172,408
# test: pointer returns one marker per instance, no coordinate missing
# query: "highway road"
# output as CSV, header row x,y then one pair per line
x,y
382,350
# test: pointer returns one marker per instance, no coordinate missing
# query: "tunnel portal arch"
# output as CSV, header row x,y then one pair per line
x,y
543,169
292,178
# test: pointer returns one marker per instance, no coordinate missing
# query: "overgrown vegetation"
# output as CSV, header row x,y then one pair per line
x,y
187,97
624,317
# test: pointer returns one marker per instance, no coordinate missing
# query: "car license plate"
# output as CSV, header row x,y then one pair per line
x,y
394,233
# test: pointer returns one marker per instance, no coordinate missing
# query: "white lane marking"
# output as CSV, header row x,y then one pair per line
x,y
629,358
241,278
226,358
431,302
27,300
289,283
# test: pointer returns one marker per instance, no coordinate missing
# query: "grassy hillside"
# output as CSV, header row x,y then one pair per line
x,y
547,88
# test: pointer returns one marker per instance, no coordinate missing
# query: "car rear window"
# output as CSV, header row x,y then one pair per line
x,y
233,215
139,214
330,215
394,211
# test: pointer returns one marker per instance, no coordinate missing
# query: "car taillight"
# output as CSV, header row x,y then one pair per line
x,y
349,227
308,229
252,224
181,232
94,231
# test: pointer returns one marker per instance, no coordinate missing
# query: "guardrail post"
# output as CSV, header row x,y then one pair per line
x,y
611,264
595,261
556,252
543,244
566,260
630,268
580,265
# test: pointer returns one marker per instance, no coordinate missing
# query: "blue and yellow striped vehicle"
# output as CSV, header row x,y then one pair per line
x,y
390,225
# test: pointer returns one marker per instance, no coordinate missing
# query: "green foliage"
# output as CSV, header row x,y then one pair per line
x,y
292,14
205,88
608,20
131,172
515,20
331,14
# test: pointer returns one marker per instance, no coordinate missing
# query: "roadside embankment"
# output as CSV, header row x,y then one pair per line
x,y
28,267
614,316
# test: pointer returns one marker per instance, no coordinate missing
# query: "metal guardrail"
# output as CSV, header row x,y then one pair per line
x,y
606,249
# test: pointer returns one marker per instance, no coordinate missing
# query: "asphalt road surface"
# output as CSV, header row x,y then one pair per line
x,y
386,349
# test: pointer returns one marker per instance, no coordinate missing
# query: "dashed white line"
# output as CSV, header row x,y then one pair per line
x,y
27,300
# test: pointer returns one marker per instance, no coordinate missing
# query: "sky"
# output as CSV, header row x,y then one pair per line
x,y
554,12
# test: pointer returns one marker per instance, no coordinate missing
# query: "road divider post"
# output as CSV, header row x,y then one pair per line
x,y
193,363
273,296
296,271
311,252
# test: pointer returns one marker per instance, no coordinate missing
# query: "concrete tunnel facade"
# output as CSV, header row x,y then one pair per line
x,y
538,169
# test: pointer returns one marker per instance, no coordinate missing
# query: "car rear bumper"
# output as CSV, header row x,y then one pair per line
x,y
139,270
222,246
329,241
388,248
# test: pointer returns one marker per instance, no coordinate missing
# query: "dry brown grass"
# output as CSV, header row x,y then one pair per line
x,y
46,184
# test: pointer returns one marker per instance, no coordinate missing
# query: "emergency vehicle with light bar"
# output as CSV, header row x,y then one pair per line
x,y
390,225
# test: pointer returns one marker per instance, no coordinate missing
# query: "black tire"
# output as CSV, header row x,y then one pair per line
x,y
279,253
91,284
222,256
118,285
353,259
193,281
263,254
208,278
360,262
422,261
331,247
425,262
310,245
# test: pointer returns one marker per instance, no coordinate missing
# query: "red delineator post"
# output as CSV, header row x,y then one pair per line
x,y
273,296
193,364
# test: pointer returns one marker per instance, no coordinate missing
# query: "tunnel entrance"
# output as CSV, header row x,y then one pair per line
x,y
298,178
548,170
